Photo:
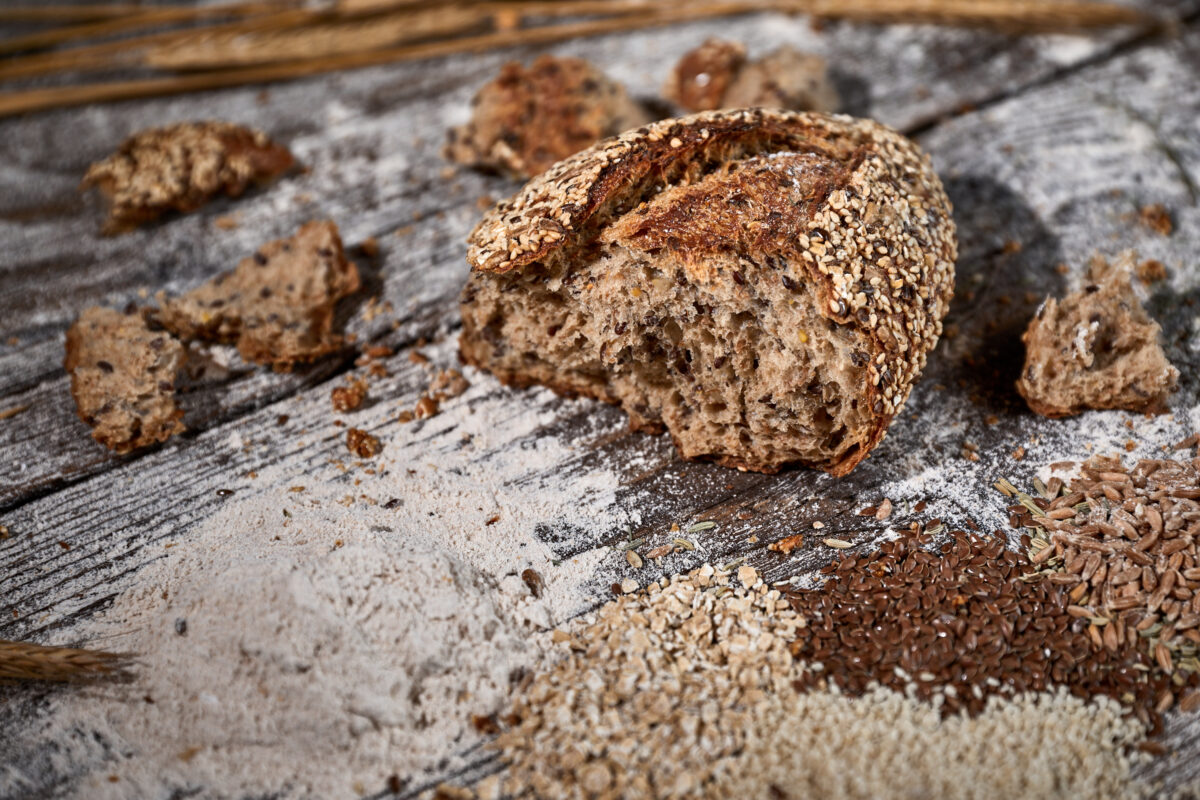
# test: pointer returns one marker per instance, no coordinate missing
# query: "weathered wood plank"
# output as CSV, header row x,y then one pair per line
x,y
1039,170
370,140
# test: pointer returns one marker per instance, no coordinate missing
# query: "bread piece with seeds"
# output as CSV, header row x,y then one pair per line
x,y
717,75
765,285
278,305
1096,348
529,118
703,75
123,378
181,167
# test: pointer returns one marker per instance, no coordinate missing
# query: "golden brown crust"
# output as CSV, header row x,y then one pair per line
x,y
879,247
180,167
529,118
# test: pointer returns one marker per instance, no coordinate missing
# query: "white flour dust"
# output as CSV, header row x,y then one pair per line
x,y
318,641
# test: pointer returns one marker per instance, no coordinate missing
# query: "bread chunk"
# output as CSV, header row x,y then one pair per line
x,y
717,75
701,78
278,305
529,118
764,285
1096,348
180,168
123,378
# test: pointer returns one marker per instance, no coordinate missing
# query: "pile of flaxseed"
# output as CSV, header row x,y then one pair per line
x,y
961,622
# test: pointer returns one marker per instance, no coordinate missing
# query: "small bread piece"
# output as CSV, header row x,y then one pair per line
x,y
787,78
180,168
277,305
527,119
701,78
765,285
717,75
123,378
1096,348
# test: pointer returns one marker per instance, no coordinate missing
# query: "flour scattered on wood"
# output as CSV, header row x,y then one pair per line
x,y
335,630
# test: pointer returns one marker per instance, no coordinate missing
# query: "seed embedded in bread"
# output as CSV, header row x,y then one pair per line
x,y
1096,348
528,118
123,378
717,75
181,167
764,285
278,305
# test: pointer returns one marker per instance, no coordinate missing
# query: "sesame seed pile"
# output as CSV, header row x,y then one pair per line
x,y
689,689
1122,545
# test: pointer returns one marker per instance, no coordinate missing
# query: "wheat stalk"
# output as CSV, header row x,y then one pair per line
x,y
205,50
146,18
335,50
23,661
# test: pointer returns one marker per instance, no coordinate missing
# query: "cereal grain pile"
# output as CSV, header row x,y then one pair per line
x,y
688,689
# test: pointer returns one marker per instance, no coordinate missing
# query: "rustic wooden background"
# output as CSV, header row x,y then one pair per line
x,y
1048,145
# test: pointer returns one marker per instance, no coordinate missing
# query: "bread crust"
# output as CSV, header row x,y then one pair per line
x,y
877,245
180,167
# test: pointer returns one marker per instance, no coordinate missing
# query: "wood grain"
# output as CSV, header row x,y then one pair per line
x,y
371,144
1051,171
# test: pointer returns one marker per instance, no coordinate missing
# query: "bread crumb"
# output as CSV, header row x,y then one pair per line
x,y
363,444
1157,218
348,398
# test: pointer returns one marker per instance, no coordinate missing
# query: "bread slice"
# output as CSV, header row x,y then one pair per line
x,y
1096,348
717,75
529,118
180,168
278,305
123,378
764,285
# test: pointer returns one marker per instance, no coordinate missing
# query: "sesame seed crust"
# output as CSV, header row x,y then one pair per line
x,y
879,248
180,167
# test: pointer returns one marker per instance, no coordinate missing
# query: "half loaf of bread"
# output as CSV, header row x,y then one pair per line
x,y
764,285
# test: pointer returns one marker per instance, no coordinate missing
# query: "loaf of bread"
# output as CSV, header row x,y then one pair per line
x,y
1096,348
764,285
530,117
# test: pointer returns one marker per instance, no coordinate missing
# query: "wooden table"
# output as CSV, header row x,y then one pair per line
x,y
1048,146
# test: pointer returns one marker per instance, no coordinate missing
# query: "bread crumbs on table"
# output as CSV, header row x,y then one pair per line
x,y
787,544
349,397
1157,218
1151,271
362,444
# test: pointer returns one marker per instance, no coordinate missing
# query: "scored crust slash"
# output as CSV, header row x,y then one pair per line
x,y
763,285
